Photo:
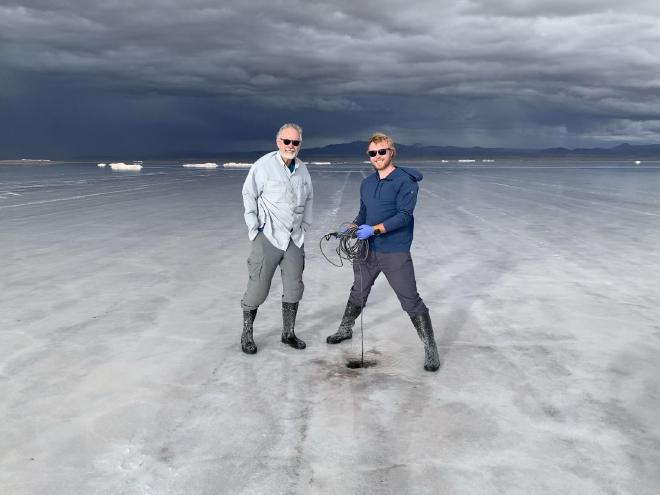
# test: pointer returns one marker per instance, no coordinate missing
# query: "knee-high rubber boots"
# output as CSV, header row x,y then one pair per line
x,y
247,341
289,311
345,330
425,331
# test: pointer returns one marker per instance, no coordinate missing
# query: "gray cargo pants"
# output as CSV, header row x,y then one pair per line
x,y
262,262
400,273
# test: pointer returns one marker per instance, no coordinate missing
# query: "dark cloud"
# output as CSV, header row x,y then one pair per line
x,y
170,76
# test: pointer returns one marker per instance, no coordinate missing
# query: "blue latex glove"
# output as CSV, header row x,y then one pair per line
x,y
364,231
344,228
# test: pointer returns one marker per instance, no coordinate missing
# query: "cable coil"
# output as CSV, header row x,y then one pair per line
x,y
349,248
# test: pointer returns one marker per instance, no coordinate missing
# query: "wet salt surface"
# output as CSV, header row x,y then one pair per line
x,y
360,363
121,369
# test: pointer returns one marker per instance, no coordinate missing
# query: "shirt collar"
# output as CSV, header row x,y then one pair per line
x,y
281,161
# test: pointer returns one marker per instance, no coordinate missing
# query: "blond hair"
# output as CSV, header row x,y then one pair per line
x,y
377,137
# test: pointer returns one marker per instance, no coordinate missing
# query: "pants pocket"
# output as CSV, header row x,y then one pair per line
x,y
254,269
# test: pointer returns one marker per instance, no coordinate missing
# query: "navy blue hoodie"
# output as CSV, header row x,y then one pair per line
x,y
390,201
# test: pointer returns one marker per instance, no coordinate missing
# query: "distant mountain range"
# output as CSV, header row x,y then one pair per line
x,y
356,151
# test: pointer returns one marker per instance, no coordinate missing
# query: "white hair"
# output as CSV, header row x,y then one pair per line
x,y
287,126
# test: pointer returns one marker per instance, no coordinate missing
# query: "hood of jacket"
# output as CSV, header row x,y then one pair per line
x,y
414,174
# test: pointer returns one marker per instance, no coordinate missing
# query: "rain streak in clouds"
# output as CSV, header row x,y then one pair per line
x,y
84,77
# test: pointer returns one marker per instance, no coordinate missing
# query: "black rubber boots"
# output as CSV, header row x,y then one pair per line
x,y
345,331
289,311
425,331
247,340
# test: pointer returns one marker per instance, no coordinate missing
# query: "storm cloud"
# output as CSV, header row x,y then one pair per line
x,y
158,76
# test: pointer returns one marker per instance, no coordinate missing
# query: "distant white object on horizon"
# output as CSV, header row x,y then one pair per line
x,y
125,166
320,163
102,165
33,160
444,161
488,161
200,165
236,165
637,162
466,161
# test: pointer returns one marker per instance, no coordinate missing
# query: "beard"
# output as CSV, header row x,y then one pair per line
x,y
381,165
289,155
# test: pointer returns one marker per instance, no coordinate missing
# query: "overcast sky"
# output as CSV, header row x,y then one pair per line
x,y
175,76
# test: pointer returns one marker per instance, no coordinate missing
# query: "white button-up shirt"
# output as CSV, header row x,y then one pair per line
x,y
278,201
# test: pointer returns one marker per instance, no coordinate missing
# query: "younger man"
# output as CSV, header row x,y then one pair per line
x,y
387,201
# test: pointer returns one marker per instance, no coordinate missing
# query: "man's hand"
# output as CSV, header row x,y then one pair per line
x,y
364,231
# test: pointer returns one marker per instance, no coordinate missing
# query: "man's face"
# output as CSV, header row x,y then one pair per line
x,y
288,151
380,162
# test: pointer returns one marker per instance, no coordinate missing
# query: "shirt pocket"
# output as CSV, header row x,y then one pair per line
x,y
302,189
275,191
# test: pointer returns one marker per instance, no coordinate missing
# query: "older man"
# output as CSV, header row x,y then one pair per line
x,y
277,196
387,201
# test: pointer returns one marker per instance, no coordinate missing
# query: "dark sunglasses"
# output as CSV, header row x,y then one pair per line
x,y
382,151
287,142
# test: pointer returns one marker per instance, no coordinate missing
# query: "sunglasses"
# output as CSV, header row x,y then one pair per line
x,y
382,151
287,142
